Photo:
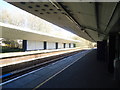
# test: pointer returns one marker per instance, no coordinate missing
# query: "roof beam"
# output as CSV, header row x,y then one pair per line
x,y
111,16
97,17
97,14
89,36
71,17
94,29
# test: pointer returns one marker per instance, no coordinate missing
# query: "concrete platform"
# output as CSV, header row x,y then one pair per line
x,y
20,57
15,54
85,73
40,75
81,70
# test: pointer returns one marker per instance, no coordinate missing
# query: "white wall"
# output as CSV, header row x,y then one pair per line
x,y
51,45
34,45
60,45
67,45
30,45
39,45
72,45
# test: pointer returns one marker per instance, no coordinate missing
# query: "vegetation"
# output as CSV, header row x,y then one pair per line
x,y
4,49
7,45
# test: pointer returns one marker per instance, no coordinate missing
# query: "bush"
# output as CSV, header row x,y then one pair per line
x,y
8,49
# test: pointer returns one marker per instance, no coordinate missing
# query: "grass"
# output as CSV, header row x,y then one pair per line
x,y
8,49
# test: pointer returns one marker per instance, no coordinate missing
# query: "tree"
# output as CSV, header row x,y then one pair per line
x,y
11,43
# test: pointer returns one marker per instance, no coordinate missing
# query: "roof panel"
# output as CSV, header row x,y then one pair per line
x,y
84,13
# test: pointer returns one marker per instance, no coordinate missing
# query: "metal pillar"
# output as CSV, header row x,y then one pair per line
x,y
45,45
64,44
112,52
24,45
102,50
56,44
69,45
118,46
117,59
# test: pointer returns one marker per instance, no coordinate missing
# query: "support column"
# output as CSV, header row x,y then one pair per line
x,y
69,45
45,45
112,52
74,45
24,45
102,50
118,46
64,44
56,45
117,59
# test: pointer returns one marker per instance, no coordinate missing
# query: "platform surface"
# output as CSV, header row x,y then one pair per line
x,y
13,54
11,59
81,70
34,78
87,72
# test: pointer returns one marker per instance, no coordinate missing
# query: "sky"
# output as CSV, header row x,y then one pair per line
x,y
9,7
4,4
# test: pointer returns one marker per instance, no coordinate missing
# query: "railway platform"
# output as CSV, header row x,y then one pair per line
x,y
81,70
19,57
18,63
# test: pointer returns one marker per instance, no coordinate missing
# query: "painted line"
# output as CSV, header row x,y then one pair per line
x,y
58,72
19,77
5,75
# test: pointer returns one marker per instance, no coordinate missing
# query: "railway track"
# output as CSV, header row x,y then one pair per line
x,y
13,71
